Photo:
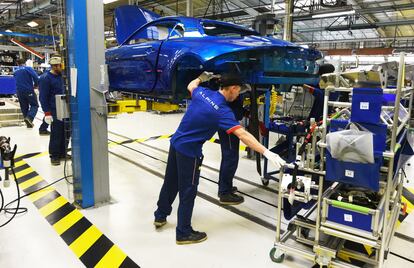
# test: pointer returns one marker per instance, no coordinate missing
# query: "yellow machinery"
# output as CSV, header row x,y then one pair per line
x,y
133,105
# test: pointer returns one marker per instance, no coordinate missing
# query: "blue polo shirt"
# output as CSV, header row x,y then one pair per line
x,y
25,78
207,113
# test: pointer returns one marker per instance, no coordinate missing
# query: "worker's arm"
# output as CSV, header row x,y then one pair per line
x,y
255,145
193,85
34,76
44,94
204,77
249,140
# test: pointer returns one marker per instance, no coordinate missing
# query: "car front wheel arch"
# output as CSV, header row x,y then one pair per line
x,y
186,69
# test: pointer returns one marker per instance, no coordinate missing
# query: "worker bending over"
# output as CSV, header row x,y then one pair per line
x,y
207,113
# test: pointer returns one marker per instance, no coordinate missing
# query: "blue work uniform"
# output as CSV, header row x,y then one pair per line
x,y
207,113
317,106
49,86
229,144
26,78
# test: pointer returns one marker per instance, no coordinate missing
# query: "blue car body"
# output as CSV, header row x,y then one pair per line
x,y
160,57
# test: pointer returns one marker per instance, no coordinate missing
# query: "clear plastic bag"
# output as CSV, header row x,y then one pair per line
x,y
354,145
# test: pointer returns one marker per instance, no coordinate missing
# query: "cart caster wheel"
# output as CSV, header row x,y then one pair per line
x,y
276,255
265,182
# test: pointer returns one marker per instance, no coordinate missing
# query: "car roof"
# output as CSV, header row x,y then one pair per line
x,y
189,21
193,22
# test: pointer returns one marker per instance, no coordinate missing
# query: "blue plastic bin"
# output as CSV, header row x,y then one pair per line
x,y
350,218
366,105
359,174
365,175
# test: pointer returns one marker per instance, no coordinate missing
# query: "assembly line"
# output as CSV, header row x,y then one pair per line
x,y
209,134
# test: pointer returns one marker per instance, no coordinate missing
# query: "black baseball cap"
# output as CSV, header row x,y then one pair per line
x,y
231,79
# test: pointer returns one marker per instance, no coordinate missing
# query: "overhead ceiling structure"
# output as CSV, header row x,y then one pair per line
x,y
34,22
320,23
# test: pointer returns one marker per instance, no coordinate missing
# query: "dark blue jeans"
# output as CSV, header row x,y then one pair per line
x,y
57,143
28,103
229,161
181,176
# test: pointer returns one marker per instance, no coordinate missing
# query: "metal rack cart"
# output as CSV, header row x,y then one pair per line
x,y
329,223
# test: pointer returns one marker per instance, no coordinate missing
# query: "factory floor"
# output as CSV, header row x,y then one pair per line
x,y
239,236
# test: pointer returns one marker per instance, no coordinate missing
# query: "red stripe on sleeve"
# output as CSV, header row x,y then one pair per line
x,y
231,130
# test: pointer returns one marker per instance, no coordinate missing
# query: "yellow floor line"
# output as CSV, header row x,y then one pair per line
x,y
53,206
39,194
66,222
85,241
19,163
24,172
31,182
113,258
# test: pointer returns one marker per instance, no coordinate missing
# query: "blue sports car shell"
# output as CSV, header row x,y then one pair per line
x,y
163,55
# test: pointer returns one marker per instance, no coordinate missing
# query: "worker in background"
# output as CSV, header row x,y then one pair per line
x,y
207,113
230,144
51,84
26,80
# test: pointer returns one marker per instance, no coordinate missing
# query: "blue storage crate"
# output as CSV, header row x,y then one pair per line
x,y
350,218
366,105
7,85
359,174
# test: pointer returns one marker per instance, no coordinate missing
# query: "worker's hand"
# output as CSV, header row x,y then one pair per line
x,y
207,76
48,118
274,158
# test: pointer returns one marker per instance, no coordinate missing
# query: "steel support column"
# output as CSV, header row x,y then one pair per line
x,y
189,8
288,25
85,46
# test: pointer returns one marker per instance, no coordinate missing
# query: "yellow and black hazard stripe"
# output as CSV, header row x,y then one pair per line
x,y
407,200
86,241
217,141
160,137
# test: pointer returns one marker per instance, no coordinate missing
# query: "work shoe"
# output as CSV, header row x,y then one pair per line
x,y
193,238
231,199
44,132
55,161
233,190
158,223
29,122
68,157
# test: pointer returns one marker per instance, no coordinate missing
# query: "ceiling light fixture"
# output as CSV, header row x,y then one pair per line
x,y
334,14
9,31
33,24
108,1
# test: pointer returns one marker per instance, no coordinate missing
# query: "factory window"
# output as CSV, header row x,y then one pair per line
x,y
216,29
158,32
